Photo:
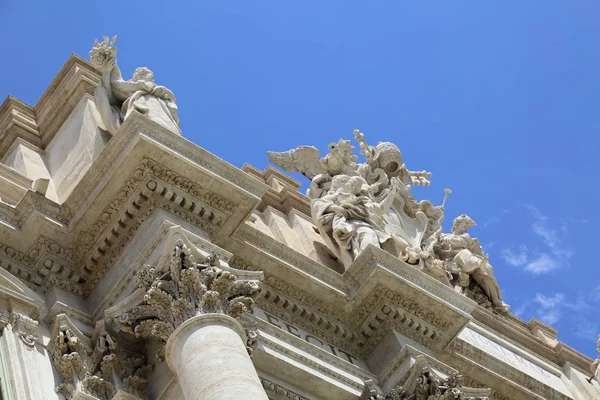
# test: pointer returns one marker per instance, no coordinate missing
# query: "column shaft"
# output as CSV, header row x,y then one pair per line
x,y
211,362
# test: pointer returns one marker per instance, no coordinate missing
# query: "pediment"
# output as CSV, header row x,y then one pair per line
x,y
18,296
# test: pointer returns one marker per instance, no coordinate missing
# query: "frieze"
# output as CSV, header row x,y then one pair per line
x,y
281,392
146,210
276,310
511,373
306,298
327,357
15,255
145,168
307,337
195,154
311,363
334,312
44,244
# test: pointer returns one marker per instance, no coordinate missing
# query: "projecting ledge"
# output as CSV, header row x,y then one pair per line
x,y
388,293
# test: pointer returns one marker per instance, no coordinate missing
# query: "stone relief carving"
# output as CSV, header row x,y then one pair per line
x,y
26,329
99,370
465,260
355,205
188,288
280,391
117,98
426,385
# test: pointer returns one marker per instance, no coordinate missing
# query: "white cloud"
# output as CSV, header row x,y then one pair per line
x,y
514,258
554,253
549,307
579,316
542,264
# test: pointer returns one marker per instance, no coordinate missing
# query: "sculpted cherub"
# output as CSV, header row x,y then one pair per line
x,y
117,98
305,159
349,219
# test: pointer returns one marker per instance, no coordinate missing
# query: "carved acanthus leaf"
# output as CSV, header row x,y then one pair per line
x,y
427,386
99,371
188,288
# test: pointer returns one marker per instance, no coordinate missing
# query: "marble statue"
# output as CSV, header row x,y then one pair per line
x,y
349,219
355,205
117,98
465,257
595,367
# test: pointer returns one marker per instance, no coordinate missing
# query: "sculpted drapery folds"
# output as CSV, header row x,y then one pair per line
x,y
117,98
595,367
466,259
189,287
355,205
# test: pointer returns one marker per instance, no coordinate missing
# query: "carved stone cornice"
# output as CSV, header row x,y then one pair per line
x,y
380,293
191,284
278,392
474,356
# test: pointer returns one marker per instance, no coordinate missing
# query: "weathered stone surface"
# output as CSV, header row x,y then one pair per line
x,y
131,261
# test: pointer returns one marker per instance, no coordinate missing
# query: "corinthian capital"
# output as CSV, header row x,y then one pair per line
x,y
190,286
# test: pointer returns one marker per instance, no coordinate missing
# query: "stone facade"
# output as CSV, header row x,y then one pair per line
x,y
137,265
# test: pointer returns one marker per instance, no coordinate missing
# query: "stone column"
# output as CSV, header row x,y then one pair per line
x,y
189,309
209,356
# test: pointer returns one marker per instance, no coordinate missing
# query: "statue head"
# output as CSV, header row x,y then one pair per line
x,y
143,74
345,184
462,224
388,158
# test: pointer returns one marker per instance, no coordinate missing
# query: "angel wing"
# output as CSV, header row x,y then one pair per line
x,y
303,159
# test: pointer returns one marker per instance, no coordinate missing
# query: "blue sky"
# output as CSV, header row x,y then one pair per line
x,y
498,99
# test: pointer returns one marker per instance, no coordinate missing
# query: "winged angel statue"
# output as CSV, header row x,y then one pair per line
x,y
355,205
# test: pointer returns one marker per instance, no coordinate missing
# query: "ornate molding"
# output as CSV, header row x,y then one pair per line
x,y
191,285
25,328
98,368
478,357
274,389
426,385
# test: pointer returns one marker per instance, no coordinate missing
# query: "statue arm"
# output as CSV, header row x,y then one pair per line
x,y
164,93
475,247
122,89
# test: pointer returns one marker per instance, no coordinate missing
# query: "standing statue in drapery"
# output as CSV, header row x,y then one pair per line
x,y
595,367
465,258
117,98
355,205
349,219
